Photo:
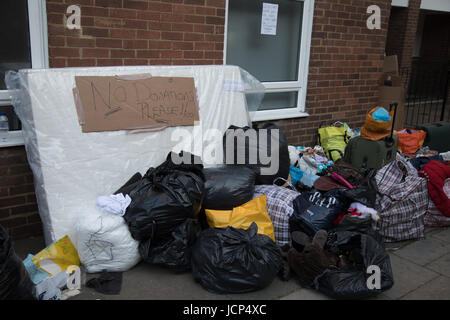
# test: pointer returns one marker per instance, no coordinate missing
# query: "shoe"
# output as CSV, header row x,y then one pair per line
x,y
284,250
308,265
285,271
300,240
320,238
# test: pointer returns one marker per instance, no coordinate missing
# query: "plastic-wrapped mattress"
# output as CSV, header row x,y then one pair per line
x,y
71,168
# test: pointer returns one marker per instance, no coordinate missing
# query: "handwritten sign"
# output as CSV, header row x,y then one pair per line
x,y
269,19
135,102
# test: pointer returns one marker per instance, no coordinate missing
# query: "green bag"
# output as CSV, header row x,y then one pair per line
x,y
333,139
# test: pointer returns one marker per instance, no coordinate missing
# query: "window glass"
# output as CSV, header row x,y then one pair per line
x,y
278,100
270,58
14,36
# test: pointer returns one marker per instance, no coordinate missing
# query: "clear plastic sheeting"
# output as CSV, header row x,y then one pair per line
x,y
71,168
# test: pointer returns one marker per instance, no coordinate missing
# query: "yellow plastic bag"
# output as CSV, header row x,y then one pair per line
x,y
57,257
242,217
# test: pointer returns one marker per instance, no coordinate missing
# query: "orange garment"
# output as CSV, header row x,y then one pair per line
x,y
376,130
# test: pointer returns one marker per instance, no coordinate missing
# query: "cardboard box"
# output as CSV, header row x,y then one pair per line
x,y
391,90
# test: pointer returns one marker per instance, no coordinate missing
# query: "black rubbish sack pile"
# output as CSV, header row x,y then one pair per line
x,y
162,203
263,148
175,252
15,283
230,260
228,187
314,211
363,256
348,262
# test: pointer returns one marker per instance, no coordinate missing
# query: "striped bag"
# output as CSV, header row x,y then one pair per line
x,y
402,202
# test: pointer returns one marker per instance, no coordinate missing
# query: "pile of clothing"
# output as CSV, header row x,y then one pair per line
x,y
434,168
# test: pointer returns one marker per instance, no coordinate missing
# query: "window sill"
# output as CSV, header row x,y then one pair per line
x,y
277,114
12,139
15,138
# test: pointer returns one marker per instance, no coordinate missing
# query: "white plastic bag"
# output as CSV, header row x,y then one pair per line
x,y
105,243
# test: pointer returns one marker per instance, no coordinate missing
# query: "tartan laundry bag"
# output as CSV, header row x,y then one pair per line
x,y
402,202
280,206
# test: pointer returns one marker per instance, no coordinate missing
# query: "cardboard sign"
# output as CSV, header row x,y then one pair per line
x,y
135,102
390,64
393,92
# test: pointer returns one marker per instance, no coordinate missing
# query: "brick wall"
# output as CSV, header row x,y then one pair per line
x,y
345,63
18,208
396,32
139,32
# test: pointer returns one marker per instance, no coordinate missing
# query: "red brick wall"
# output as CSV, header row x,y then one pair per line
x,y
139,32
345,63
18,208
396,32
411,23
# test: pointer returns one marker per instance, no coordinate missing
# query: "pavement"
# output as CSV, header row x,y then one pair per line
x,y
421,271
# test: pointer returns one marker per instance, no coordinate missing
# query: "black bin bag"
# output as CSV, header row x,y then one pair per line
x,y
174,252
228,187
351,281
15,283
165,197
230,260
254,149
314,211
366,192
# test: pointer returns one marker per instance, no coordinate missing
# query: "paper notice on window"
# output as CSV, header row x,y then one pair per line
x,y
269,19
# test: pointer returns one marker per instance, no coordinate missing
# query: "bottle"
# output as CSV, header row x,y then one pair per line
x,y
4,125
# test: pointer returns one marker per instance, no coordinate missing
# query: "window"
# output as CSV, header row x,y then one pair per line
x,y
23,32
279,61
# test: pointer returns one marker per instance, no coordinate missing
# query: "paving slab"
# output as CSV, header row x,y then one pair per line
x,y
277,289
305,294
429,231
424,251
443,235
441,265
407,277
421,271
437,289
147,282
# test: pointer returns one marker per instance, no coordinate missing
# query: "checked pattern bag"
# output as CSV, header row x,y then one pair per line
x,y
280,208
402,202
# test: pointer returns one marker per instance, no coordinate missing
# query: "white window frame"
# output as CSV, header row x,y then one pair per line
x,y
436,5
400,3
37,20
300,85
